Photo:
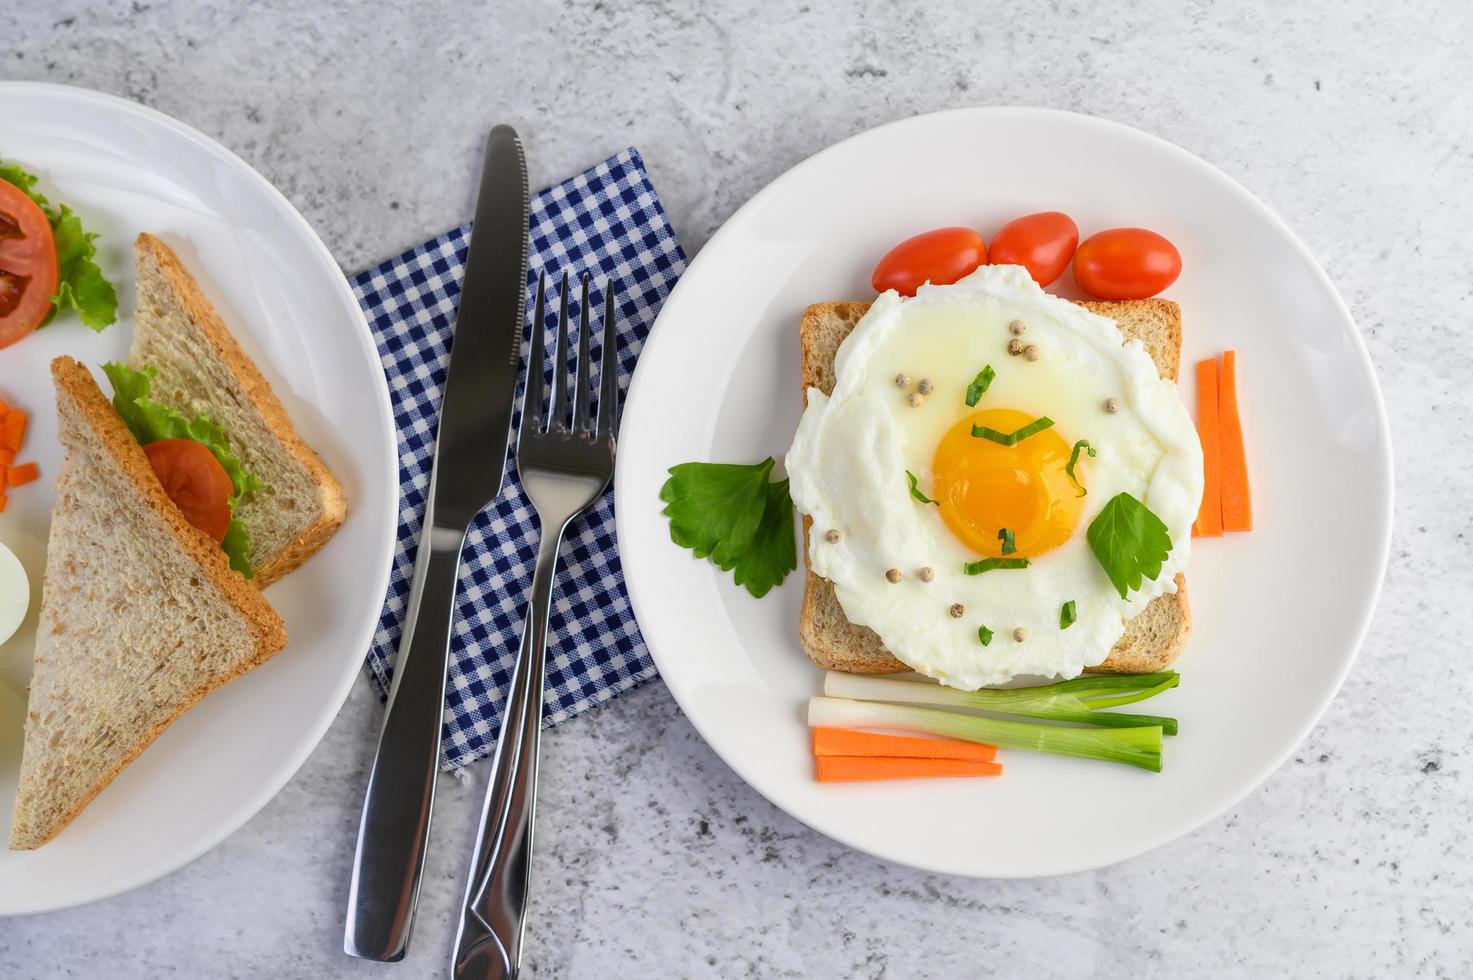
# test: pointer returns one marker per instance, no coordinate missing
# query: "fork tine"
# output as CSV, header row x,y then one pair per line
x,y
532,399
557,417
608,397
582,394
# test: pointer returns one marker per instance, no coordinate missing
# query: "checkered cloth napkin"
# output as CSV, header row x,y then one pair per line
x,y
608,223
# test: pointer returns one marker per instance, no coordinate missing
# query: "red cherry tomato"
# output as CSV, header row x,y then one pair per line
x,y
1126,263
28,271
196,482
941,257
1042,243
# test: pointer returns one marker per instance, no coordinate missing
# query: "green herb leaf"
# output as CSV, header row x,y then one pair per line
x,y
1129,541
1013,438
1081,445
988,564
979,385
915,490
731,514
81,285
150,421
1068,616
984,634
1008,544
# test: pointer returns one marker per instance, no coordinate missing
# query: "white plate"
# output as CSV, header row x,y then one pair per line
x,y
127,169
1279,612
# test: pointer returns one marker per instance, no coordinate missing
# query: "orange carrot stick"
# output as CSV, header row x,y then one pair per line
x,y
849,768
17,476
2,503
1209,518
1237,505
847,741
12,428
7,456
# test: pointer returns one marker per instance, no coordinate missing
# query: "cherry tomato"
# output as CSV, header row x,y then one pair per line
x,y
1126,263
941,257
28,272
194,479
1042,243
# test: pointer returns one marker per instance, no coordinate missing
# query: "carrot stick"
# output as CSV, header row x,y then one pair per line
x,y
1209,518
850,768
847,741
1237,505
12,428
2,503
7,456
16,476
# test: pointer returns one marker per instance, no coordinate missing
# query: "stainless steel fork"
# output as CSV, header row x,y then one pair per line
x,y
565,457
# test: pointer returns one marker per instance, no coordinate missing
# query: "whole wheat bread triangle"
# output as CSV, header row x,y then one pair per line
x,y
1152,639
202,370
141,616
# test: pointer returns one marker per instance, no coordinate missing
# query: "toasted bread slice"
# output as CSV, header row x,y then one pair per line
x,y
141,616
203,371
1152,639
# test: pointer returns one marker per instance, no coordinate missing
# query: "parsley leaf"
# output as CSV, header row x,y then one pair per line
x,y
80,285
731,514
915,489
984,634
1082,444
1068,615
1129,541
1017,435
979,385
1009,544
150,421
988,564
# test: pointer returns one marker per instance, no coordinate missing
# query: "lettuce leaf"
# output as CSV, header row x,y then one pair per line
x,y
150,421
81,285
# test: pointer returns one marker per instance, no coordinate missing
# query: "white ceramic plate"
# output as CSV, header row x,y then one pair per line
x,y
1279,612
127,169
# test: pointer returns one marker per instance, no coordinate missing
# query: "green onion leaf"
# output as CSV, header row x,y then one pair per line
x,y
1008,544
984,634
1013,438
1082,444
988,564
979,385
1068,616
915,490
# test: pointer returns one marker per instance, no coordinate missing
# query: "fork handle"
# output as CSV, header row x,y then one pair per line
x,y
395,826
488,944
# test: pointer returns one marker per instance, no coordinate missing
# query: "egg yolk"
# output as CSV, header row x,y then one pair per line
x,y
983,487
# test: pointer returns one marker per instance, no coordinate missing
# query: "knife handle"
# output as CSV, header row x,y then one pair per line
x,y
395,826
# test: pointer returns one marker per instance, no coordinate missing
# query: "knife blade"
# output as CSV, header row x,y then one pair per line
x,y
466,474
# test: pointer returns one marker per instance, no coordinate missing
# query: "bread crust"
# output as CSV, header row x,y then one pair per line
x,y
263,399
75,383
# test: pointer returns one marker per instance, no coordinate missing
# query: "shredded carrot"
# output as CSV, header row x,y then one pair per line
x,y
1209,518
1237,505
846,741
850,768
18,476
12,428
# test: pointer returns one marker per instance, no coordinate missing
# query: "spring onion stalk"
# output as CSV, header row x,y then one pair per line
x,y
1079,700
1140,747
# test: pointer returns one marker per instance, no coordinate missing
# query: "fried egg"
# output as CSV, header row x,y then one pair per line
x,y
899,410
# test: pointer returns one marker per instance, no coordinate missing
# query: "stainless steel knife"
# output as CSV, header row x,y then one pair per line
x,y
470,457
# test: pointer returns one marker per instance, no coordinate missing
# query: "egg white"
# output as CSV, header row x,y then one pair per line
x,y
848,461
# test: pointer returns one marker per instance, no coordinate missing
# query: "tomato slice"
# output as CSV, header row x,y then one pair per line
x,y
28,272
941,257
1126,263
196,482
1042,243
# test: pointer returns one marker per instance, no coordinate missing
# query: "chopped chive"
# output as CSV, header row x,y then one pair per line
x,y
984,634
1068,616
1008,544
979,385
1082,444
1013,438
988,564
915,489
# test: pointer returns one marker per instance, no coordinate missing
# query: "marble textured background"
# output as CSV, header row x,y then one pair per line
x,y
1353,121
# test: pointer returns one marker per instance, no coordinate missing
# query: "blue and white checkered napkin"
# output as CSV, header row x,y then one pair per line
x,y
606,222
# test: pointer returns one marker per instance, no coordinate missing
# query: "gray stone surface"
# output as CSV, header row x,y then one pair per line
x,y
1353,120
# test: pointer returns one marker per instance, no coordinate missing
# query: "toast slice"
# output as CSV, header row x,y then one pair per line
x,y
203,371
1152,640
141,616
